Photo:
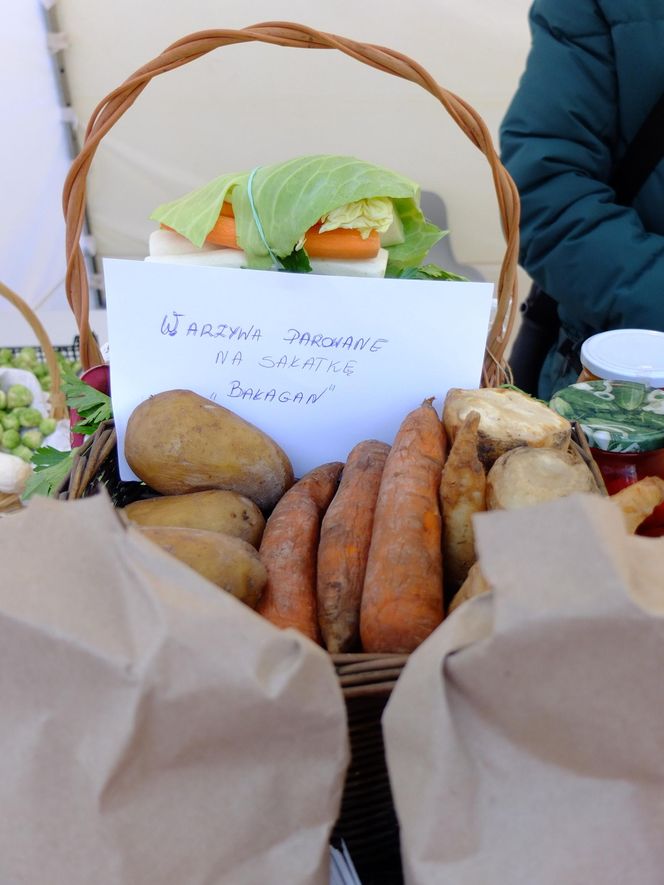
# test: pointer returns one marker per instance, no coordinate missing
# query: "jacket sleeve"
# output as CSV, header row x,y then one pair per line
x,y
558,141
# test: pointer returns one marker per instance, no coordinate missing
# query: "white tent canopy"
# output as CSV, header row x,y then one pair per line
x,y
238,107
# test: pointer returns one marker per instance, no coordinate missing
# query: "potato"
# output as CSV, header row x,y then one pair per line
x,y
178,441
228,562
526,476
217,510
508,419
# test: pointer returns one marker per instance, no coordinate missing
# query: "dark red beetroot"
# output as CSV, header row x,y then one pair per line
x,y
98,377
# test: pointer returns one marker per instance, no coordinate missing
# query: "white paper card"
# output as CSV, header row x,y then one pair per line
x,y
317,362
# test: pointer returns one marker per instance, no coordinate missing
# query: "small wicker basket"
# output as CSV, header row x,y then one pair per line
x,y
367,821
57,405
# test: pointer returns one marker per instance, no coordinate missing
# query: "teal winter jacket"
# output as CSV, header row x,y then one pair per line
x,y
595,69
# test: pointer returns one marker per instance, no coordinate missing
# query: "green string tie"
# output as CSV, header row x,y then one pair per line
x,y
254,212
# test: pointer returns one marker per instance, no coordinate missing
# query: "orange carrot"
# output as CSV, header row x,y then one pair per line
x,y
402,597
223,233
344,546
289,547
340,243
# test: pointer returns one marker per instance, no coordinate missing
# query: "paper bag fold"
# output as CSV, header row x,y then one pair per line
x,y
154,729
524,737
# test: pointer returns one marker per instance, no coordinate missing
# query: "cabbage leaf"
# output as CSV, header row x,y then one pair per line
x,y
290,197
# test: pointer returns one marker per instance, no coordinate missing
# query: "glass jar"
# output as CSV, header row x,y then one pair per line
x,y
624,355
620,469
624,424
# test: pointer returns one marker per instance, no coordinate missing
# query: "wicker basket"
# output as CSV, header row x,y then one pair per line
x,y
367,820
57,406
288,34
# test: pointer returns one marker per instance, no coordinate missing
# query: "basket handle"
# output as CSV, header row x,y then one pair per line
x,y
57,398
289,34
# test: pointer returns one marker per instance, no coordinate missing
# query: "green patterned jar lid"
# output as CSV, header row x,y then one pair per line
x,y
616,416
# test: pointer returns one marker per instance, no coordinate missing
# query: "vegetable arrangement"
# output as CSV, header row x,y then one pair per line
x,y
353,555
322,213
367,555
395,548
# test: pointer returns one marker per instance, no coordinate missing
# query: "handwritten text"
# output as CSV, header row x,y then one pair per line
x,y
237,391
341,342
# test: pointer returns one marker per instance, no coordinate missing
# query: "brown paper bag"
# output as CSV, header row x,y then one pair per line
x,y
155,731
525,737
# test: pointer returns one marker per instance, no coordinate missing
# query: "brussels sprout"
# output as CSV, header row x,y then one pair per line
x,y
29,417
10,439
23,452
45,382
10,421
19,396
40,370
21,362
27,354
47,426
3,399
5,356
31,438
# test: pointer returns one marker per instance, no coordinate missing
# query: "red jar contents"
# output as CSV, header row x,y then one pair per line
x,y
624,424
620,469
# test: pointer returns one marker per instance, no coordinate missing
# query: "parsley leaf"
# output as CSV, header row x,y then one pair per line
x,y
426,272
296,262
51,467
93,406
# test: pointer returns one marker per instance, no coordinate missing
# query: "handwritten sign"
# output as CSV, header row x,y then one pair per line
x,y
317,362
